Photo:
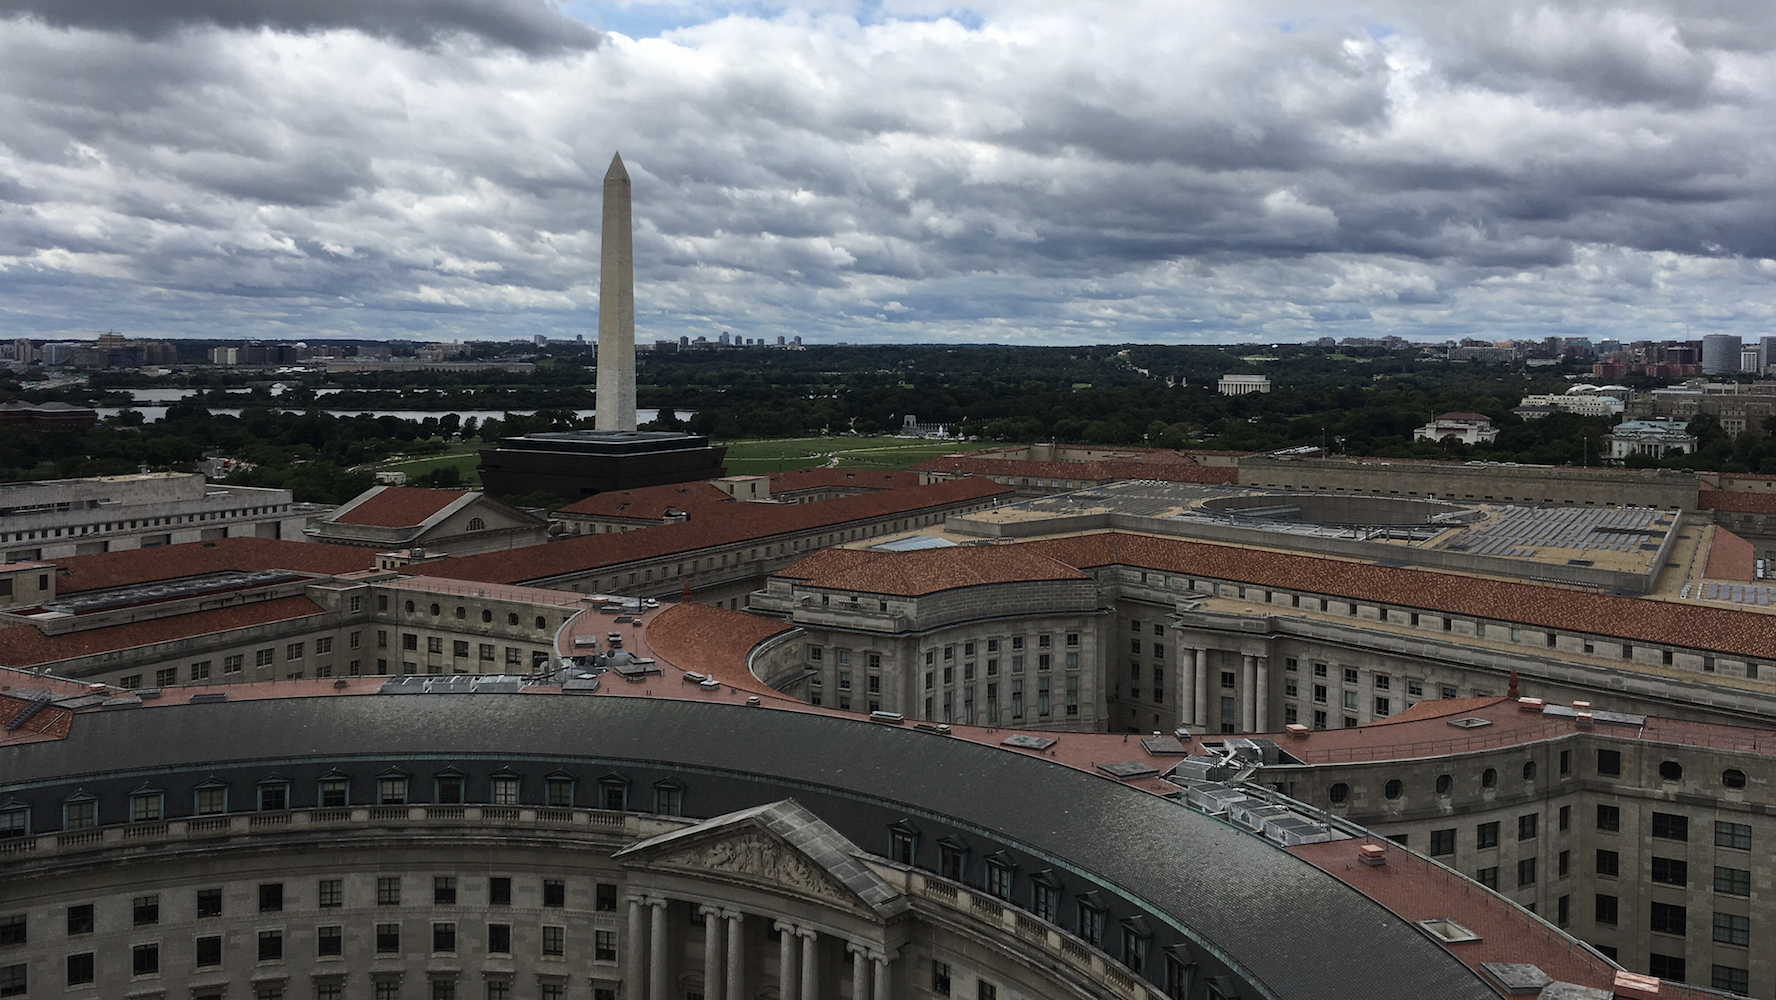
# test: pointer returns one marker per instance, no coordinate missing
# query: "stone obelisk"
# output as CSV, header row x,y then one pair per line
x,y
616,307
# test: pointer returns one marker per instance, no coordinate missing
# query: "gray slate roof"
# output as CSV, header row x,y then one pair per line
x,y
1290,926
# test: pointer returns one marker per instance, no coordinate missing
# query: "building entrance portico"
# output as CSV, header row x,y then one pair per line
x,y
769,903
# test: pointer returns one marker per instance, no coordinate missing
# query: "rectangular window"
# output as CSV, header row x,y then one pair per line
x,y
1731,928
271,946
459,648
145,959
1609,762
1609,819
499,939
264,657
209,951
1732,881
1667,918
233,664
13,981
145,910
1670,967
146,807
505,791
293,651
1734,835
1488,877
330,893
1607,907
330,941
1526,872
940,978
1609,864
388,890
388,939
444,938
604,946
554,940
271,897
80,969
554,892
1668,826
443,890
12,929
1671,871
1526,826
1486,835
1442,842
1731,979
209,902
499,891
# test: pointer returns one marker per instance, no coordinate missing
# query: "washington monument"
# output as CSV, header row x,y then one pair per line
x,y
615,402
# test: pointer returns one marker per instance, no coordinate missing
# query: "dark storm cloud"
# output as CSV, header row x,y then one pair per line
x,y
1145,170
535,26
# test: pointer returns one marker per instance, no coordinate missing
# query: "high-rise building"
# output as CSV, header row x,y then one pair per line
x,y
1720,353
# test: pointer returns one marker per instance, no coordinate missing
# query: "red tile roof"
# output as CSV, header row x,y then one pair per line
x,y
1743,633
25,646
649,502
926,571
167,562
398,507
1730,557
1736,502
741,523
1416,888
1091,472
45,723
712,641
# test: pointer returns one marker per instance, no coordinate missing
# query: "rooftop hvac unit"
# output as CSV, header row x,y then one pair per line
x,y
1292,830
1212,800
1201,768
1254,814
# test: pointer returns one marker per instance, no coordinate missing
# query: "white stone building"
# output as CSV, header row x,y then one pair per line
x,y
1242,385
67,517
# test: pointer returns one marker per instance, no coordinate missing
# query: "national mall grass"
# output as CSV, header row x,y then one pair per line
x,y
760,457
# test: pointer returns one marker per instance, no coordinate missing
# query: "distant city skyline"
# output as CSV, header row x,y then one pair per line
x,y
1023,174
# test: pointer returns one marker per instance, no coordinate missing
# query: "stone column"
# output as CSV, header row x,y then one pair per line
x,y
1249,694
1202,691
859,971
1263,696
786,960
632,956
712,952
810,962
657,985
736,956
880,961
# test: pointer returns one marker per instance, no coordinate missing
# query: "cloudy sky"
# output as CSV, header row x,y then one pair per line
x,y
1026,172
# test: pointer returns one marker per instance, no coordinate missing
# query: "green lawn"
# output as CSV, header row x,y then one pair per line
x,y
466,456
752,458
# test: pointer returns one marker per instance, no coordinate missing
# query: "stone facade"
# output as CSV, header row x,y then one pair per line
x,y
67,517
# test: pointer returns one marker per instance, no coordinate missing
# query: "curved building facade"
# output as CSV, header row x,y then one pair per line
x,y
522,845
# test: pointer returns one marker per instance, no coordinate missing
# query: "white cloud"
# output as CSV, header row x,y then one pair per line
x,y
1030,172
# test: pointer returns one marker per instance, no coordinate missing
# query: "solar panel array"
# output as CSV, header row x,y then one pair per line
x,y
1522,531
1736,593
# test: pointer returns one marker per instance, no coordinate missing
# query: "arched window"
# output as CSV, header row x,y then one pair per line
x,y
476,524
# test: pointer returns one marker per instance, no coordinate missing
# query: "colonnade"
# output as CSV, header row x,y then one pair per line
x,y
648,941
1202,679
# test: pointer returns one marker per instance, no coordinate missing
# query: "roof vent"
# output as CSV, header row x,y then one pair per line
x,y
1529,704
1582,720
754,700
1296,729
1633,986
1517,977
1470,723
891,717
1447,930
1373,855
1581,706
